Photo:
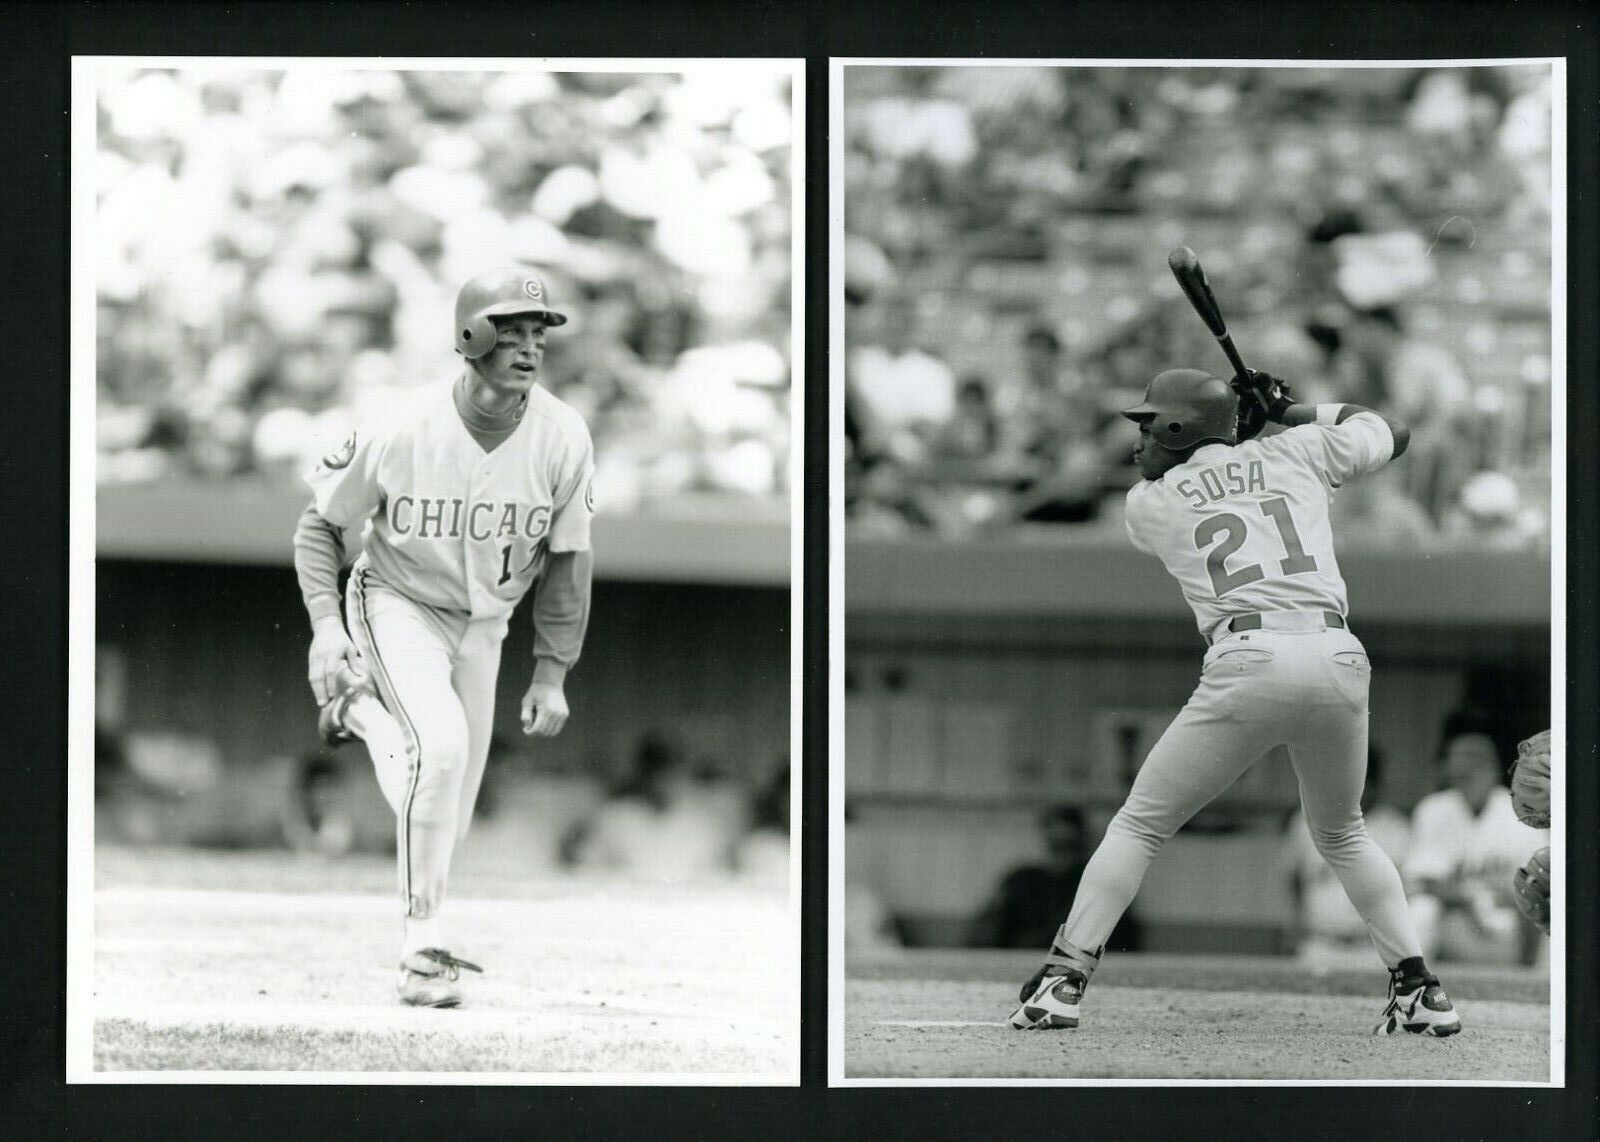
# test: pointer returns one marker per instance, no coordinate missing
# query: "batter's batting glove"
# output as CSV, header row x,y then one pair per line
x,y
1263,398
1274,392
1530,888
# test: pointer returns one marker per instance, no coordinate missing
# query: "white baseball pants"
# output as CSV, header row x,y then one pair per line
x,y
1304,689
436,672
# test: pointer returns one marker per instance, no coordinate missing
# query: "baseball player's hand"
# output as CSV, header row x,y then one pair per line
x,y
1530,889
544,710
1267,395
1530,781
331,652
1251,417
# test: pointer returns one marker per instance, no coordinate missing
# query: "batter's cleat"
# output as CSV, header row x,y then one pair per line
x,y
429,978
1050,999
1419,1007
331,718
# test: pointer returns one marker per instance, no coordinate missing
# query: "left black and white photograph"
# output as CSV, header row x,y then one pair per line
x,y
434,642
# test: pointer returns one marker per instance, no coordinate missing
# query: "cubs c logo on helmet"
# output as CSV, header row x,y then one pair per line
x,y
341,456
534,288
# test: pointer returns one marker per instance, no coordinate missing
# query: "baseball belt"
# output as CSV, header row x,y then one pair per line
x,y
1280,620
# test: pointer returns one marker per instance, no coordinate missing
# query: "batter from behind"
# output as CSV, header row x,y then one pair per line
x,y
1242,524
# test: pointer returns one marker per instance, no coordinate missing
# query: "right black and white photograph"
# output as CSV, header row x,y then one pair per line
x,y
1197,636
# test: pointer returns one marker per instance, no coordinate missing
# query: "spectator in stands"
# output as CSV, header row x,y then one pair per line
x,y
662,822
1489,516
1401,180
1381,365
1466,842
1328,931
278,251
1052,404
1053,450
1045,406
1025,909
762,854
1376,513
891,501
904,394
971,437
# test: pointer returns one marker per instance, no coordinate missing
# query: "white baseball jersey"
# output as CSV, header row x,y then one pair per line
x,y
1245,528
1449,841
454,526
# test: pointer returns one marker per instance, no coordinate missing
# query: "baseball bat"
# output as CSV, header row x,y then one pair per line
x,y
1191,276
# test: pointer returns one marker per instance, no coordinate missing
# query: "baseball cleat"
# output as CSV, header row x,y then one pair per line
x,y
1419,1007
428,978
1049,1001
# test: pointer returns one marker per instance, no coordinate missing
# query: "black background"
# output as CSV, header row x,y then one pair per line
x,y
37,41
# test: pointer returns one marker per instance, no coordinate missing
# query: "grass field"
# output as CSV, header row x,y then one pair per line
x,y
265,962
941,1015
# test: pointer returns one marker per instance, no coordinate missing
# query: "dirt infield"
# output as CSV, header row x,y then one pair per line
x,y
289,968
932,1015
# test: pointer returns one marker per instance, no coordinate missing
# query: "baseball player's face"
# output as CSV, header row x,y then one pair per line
x,y
1473,767
1152,458
513,365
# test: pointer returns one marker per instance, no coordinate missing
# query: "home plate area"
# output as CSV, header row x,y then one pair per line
x,y
942,1014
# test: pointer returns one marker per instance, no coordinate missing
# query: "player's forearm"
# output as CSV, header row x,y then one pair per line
x,y
1297,414
561,614
318,555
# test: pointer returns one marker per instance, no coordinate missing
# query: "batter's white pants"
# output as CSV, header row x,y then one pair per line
x,y
435,671
1306,690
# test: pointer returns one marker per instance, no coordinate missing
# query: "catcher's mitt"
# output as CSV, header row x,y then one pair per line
x,y
1530,781
1530,888
1262,398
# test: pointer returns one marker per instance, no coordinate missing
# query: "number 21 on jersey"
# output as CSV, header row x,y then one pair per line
x,y
1232,530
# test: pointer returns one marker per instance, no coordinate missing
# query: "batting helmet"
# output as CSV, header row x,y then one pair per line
x,y
1187,406
499,293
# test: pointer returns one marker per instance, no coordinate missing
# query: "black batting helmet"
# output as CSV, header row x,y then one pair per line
x,y
1186,407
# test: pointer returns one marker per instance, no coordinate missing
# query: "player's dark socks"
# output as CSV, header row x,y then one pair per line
x,y
1064,959
1411,971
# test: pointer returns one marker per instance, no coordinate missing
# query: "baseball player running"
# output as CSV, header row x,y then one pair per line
x,y
475,492
1242,525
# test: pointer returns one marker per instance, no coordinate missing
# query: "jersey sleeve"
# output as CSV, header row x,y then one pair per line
x,y
1341,452
344,484
574,497
1135,516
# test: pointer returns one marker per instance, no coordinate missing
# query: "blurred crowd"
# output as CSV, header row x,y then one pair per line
x,y
667,813
1456,850
1374,235
278,253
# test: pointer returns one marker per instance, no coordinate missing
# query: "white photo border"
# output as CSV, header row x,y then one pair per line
x,y
79,1054
836,564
